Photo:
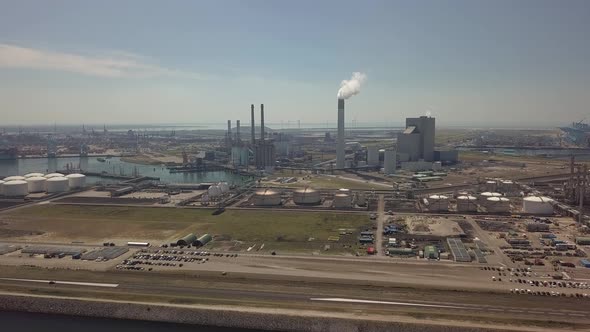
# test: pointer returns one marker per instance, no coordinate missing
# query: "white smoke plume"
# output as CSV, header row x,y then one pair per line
x,y
351,87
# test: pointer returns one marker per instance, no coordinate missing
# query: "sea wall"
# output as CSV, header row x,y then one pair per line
x,y
252,319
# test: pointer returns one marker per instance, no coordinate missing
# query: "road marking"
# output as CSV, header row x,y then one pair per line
x,y
91,284
336,299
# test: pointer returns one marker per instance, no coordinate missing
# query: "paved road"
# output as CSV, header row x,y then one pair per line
x,y
313,297
380,220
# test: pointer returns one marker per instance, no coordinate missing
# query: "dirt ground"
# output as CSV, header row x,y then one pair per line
x,y
424,225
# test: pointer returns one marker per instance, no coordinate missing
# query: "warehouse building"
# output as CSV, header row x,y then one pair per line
x,y
189,239
203,240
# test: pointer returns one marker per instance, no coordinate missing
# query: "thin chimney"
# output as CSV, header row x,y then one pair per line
x,y
262,122
238,139
253,126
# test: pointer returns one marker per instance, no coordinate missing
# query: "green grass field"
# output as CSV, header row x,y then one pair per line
x,y
233,229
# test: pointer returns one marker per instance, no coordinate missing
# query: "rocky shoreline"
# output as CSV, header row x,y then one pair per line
x,y
247,319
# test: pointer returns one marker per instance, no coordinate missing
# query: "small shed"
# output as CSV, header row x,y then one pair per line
x,y
430,252
366,239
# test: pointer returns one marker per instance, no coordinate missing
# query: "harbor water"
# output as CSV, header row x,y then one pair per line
x,y
114,166
36,322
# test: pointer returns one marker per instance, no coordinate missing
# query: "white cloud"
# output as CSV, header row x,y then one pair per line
x,y
114,65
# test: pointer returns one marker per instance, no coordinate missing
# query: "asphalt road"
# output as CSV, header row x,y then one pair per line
x,y
380,220
311,296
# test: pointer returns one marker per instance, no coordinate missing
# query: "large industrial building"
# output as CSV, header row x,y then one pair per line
x,y
416,142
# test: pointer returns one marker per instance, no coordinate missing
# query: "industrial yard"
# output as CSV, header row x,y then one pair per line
x,y
422,218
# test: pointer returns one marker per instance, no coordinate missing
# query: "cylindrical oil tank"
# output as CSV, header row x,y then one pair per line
x,y
214,191
372,156
57,184
306,196
1,187
30,175
76,181
14,178
342,200
36,184
389,162
266,197
438,203
224,187
537,205
15,188
466,203
498,205
507,186
361,198
483,197
53,175
490,185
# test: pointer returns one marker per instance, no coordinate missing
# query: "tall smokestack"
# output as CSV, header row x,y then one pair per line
x,y
253,126
238,139
262,122
229,128
340,155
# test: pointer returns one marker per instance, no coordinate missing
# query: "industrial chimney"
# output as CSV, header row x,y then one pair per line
x,y
340,155
253,126
238,139
262,122
229,129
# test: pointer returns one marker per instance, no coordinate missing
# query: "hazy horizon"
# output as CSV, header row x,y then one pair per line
x,y
484,64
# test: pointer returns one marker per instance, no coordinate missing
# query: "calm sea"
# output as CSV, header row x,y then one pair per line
x,y
34,322
112,166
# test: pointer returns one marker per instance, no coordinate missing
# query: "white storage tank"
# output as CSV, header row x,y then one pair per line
x,y
14,178
361,198
389,162
306,196
508,186
57,184
214,191
483,197
537,205
31,175
266,197
438,203
490,185
372,156
15,188
342,201
36,184
54,175
76,181
498,205
466,203
224,187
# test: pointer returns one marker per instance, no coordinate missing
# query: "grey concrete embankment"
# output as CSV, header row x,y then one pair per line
x,y
274,320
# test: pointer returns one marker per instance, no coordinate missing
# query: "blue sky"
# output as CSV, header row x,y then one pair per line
x,y
467,62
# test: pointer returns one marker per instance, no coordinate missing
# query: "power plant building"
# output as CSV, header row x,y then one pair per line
x,y
389,162
372,156
416,142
